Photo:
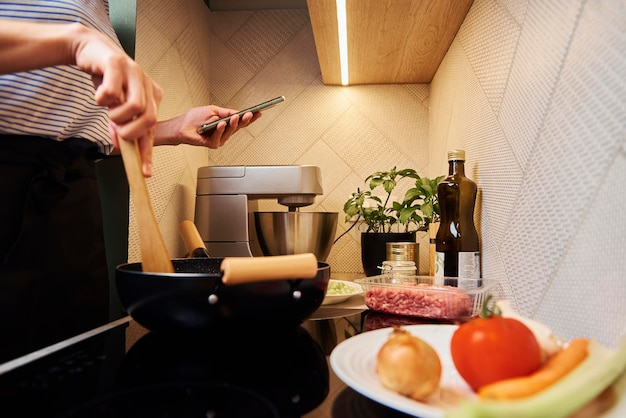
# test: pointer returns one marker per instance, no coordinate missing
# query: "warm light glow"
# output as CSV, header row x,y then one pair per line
x,y
343,40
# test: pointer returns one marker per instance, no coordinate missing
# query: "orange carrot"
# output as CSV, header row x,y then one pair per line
x,y
550,372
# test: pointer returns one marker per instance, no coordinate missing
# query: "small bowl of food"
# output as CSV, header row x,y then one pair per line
x,y
341,290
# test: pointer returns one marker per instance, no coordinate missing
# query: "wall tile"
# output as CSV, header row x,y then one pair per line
x,y
486,25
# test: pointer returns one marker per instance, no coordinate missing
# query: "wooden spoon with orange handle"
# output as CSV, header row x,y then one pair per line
x,y
154,256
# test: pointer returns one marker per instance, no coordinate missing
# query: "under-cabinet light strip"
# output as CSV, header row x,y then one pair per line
x,y
343,41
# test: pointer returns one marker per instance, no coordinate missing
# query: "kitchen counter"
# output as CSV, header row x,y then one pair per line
x,y
114,370
122,370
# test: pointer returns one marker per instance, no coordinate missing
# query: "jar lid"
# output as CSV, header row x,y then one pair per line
x,y
398,264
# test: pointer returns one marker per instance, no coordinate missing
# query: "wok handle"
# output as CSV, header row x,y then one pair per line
x,y
240,270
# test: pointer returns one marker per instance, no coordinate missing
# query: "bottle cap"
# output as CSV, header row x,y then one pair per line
x,y
456,155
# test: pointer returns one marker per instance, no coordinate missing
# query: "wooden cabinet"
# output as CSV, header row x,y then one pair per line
x,y
389,41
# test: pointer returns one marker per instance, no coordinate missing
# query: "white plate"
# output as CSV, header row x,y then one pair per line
x,y
354,362
332,299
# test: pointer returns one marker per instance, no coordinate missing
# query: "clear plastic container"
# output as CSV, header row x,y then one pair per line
x,y
441,298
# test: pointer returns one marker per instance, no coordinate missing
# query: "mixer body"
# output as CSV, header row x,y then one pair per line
x,y
230,224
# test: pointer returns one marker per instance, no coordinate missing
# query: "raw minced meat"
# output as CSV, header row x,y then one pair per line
x,y
422,300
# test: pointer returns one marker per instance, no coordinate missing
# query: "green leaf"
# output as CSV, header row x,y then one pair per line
x,y
389,185
412,194
427,209
375,182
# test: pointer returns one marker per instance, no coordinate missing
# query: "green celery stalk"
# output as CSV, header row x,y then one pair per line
x,y
597,372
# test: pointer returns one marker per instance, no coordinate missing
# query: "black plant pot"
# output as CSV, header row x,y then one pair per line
x,y
374,248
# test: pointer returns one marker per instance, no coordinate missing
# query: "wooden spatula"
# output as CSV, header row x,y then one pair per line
x,y
154,256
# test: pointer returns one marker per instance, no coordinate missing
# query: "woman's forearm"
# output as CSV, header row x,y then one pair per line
x,y
26,45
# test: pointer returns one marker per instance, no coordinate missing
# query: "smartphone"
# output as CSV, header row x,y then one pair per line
x,y
265,105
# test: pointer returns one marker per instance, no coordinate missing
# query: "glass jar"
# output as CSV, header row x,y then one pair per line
x,y
395,268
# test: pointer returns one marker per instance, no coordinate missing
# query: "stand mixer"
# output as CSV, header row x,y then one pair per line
x,y
230,224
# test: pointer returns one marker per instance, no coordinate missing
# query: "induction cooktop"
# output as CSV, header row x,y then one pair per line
x,y
229,373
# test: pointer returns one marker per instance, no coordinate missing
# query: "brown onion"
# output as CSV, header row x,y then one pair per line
x,y
408,365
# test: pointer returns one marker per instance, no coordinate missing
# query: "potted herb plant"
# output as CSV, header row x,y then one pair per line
x,y
383,220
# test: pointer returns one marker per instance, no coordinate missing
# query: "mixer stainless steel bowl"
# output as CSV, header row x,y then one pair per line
x,y
282,233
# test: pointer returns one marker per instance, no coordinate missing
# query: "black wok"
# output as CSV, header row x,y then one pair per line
x,y
204,293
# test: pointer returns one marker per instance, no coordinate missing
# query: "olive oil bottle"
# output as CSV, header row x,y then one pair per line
x,y
457,250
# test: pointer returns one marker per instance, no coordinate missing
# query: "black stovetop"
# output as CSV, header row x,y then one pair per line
x,y
241,372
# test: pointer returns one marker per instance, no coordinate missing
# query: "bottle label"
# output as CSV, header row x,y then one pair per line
x,y
467,265
439,263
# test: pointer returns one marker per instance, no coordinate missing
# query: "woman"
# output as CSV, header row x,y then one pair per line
x,y
68,94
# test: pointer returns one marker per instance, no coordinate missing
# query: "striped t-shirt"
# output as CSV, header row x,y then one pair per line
x,y
55,102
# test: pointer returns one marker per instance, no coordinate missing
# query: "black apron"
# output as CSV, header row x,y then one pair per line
x,y
53,270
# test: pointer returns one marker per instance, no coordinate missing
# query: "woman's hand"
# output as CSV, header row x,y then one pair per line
x,y
122,86
183,129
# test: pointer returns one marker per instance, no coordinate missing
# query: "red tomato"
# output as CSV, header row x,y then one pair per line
x,y
485,350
